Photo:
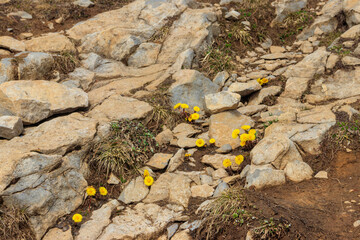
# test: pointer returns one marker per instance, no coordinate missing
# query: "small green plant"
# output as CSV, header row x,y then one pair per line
x,y
217,59
268,123
340,50
347,131
271,229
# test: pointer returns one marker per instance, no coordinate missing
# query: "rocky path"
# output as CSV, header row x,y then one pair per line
x,y
48,126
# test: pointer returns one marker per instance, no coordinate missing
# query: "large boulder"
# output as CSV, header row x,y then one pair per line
x,y
284,7
11,44
34,65
51,42
34,101
191,87
222,101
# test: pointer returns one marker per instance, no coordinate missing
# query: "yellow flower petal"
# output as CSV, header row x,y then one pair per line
x,y
196,109
239,159
177,105
148,181
264,80
77,218
195,116
103,191
227,163
235,133
252,137
212,140
200,142
146,173
184,105
242,143
252,131
246,127
244,137
91,191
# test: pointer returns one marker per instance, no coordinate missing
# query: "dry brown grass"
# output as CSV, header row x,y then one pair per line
x,y
14,224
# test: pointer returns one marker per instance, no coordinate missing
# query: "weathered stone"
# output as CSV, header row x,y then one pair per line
x,y
350,61
143,220
21,14
206,179
245,89
105,111
34,65
58,234
265,177
4,52
219,173
159,160
295,87
91,61
221,78
191,87
332,60
202,191
183,235
172,187
185,142
12,44
252,109
277,49
216,161
274,56
85,77
222,101
164,137
176,160
171,230
321,174
222,125
223,186
298,171
184,130
34,101
10,127
145,55
307,47
356,224
352,33
259,97
83,3
232,15
135,191
231,179
257,74
321,114
270,149
226,148
51,42
284,7
99,219
113,180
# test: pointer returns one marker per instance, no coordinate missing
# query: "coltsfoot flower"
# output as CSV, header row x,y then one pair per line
x,y
195,116
227,163
103,191
177,105
187,155
91,191
77,218
252,132
146,173
184,105
235,133
242,143
246,127
148,181
200,142
239,159
212,141
196,109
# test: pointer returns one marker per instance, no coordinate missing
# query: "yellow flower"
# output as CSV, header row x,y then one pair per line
x,y
91,191
195,116
77,218
212,140
242,143
264,80
244,137
227,163
103,191
239,159
252,137
148,181
187,155
200,142
177,105
235,133
190,118
184,105
252,132
246,127
259,81
196,109
146,173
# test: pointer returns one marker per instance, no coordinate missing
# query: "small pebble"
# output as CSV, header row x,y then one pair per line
x,y
357,223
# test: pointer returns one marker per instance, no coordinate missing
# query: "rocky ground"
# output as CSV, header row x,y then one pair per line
x,y
80,91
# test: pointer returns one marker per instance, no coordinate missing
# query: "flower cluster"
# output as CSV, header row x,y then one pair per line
x,y
188,116
262,81
238,160
91,191
148,180
249,135
201,142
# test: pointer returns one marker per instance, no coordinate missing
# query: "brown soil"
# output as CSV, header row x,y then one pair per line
x,y
47,11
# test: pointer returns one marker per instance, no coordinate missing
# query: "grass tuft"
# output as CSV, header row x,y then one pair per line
x,y
14,224
126,150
